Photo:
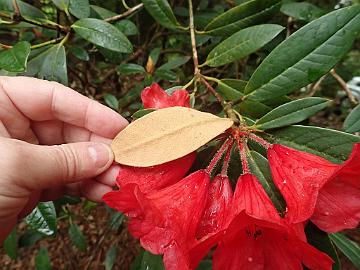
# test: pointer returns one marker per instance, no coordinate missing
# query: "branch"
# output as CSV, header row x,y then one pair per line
x,y
193,40
125,14
344,87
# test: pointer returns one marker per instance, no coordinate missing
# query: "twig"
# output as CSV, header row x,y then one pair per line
x,y
193,45
344,87
4,46
213,91
315,86
125,14
52,41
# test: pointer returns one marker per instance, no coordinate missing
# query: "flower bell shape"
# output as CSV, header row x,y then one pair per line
x,y
154,97
156,177
338,204
257,238
165,220
299,177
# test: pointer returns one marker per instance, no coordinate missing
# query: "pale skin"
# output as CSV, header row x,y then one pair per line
x,y
53,141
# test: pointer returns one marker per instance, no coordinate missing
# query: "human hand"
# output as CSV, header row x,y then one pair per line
x,y
53,141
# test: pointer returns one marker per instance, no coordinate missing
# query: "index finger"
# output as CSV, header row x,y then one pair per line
x,y
41,100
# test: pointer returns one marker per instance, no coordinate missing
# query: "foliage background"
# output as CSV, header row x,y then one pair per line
x,y
91,236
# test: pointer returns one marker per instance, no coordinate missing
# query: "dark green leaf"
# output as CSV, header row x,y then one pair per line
x,y
161,11
259,166
42,260
50,65
151,262
77,237
116,219
242,16
306,55
154,55
110,258
292,112
26,9
176,62
330,144
103,34
71,200
231,89
242,44
79,8
166,74
127,27
253,109
322,242
348,247
126,69
352,121
14,59
11,244
79,52
111,101
43,218
100,13
141,113
205,265
29,238
302,11
61,4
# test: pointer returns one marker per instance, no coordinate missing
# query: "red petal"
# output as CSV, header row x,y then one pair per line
x,y
299,176
156,177
156,97
175,258
215,215
250,196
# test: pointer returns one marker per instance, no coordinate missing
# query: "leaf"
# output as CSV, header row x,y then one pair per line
x,y
29,238
61,4
322,242
77,237
151,262
205,265
330,144
302,11
110,258
141,113
231,89
292,112
127,27
42,260
242,43
100,13
260,167
79,8
247,14
111,101
348,247
14,59
161,11
79,52
165,135
352,121
26,9
175,63
102,34
166,74
11,245
115,221
50,65
43,218
126,69
306,55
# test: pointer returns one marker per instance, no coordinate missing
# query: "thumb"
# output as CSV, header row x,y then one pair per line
x,y
48,166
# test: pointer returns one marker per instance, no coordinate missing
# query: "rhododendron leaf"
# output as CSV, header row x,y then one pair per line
x,y
330,144
166,135
348,247
141,113
352,121
299,177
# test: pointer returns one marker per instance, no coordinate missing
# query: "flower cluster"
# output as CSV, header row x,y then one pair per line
x,y
184,216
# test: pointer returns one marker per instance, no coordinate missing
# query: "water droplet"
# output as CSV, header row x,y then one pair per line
x,y
284,181
326,213
287,153
250,259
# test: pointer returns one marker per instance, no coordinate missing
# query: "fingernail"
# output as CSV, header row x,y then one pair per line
x,y
101,154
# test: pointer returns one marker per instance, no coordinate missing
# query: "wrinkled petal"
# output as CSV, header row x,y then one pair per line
x,y
215,215
250,196
155,97
299,177
156,177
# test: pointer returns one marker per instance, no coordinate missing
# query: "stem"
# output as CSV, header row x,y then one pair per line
x,y
226,161
243,157
193,44
65,39
4,46
213,91
125,14
124,4
218,155
344,87
52,41
189,83
259,140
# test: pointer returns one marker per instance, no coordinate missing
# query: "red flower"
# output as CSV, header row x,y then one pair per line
x,y
156,177
338,204
165,220
156,97
315,188
299,177
257,238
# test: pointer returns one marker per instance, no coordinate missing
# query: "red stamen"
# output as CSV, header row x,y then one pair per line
x,y
218,155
